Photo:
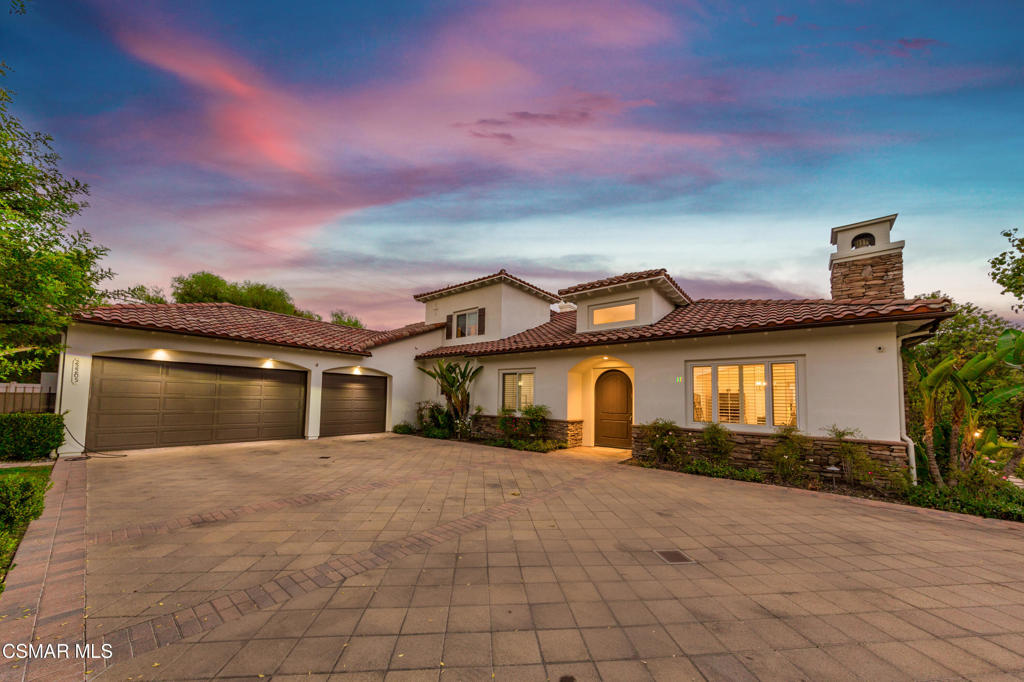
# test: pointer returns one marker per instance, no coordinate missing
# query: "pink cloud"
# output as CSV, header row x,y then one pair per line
x,y
788,20
607,24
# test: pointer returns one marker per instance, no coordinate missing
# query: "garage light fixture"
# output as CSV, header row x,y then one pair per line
x,y
268,363
160,354
357,371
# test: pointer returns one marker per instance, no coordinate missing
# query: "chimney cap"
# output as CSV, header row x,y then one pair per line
x,y
890,219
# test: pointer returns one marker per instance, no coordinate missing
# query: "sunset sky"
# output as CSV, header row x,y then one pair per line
x,y
358,152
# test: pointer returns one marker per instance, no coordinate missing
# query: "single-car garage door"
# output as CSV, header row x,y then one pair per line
x,y
353,403
146,404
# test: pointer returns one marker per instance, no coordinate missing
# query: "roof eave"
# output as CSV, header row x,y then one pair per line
x,y
937,316
127,325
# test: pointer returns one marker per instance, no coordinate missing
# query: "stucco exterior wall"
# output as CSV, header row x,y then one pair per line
x,y
509,311
651,306
844,378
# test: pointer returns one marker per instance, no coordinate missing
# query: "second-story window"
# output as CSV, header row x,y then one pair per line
x,y
467,323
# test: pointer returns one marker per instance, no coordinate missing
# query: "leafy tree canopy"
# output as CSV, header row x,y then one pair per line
x,y
340,317
46,273
206,287
1007,269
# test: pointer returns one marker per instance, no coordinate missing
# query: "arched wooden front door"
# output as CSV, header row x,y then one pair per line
x,y
613,410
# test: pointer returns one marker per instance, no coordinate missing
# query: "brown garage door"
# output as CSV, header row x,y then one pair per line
x,y
144,404
353,403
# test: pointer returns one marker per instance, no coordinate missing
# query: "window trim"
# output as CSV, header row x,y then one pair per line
x,y
502,373
455,322
768,427
635,301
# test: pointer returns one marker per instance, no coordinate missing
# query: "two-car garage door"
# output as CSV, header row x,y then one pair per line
x,y
148,404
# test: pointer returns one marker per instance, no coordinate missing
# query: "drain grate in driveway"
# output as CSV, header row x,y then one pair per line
x,y
673,556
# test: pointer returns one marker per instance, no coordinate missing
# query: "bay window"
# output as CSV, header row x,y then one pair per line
x,y
751,393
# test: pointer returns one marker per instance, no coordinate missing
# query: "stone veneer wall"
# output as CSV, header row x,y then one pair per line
x,y
567,430
871,277
750,449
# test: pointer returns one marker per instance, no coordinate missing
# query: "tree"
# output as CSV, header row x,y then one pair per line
x,y
46,273
1007,269
206,287
141,294
454,381
344,319
928,382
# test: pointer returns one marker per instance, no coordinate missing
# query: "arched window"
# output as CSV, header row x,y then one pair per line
x,y
861,240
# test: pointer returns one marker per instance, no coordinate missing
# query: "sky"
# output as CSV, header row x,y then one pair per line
x,y
356,153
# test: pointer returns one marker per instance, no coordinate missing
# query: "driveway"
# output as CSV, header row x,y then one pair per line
x,y
402,558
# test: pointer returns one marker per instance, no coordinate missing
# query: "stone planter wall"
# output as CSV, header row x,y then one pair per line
x,y
567,430
750,452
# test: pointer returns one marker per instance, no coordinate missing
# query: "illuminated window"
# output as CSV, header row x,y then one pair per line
x,y
466,323
611,314
751,393
516,390
784,393
702,403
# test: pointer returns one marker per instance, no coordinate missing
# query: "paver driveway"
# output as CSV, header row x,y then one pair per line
x,y
403,558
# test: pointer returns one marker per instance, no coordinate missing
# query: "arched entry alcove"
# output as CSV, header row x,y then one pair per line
x,y
617,393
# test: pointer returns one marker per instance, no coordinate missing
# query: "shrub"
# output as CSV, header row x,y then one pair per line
x,y
434,419
717,442
787,455
665,445
28,436
703,467
404,428
21,499
1007,503
509,423
858,468
535,419
538,445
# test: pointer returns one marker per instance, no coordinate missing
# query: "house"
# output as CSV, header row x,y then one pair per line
x,y
604,356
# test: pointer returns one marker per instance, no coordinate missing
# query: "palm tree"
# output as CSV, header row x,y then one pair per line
x,y
454,380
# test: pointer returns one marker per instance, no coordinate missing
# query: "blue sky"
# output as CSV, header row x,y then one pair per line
x,y
356,153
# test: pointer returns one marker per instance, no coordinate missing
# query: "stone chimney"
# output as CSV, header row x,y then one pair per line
x,y
865,263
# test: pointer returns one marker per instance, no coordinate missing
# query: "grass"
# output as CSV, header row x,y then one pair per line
x,y
11,537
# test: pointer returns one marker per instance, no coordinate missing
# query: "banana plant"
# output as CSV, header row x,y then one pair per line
x,y
929,383
1012,341
454,381
968,405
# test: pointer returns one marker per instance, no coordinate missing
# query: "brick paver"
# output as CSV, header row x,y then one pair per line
x,y
449,561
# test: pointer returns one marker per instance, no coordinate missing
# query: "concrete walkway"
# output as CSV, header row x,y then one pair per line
x,y
403,558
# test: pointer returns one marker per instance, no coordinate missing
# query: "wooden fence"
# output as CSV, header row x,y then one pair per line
x,y
15,398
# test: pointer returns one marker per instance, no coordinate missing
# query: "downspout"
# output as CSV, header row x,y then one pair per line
x,y
58,399
907,440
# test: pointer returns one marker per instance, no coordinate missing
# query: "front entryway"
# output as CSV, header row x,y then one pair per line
x,y
613,410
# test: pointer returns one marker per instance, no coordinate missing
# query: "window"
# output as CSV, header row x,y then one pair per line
x,y
612,313
466,324
516,390
742,393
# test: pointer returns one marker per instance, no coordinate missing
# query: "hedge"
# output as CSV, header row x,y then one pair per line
x,y
27,436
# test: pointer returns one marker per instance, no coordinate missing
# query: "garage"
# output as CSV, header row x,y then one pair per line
x,y
147,404
353,403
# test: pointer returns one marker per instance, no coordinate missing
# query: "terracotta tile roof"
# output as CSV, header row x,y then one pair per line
x,y
709,317
481,281
390,336
229,321
625,279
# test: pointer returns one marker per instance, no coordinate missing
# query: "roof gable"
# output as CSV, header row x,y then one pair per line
x,y
658,278
500,277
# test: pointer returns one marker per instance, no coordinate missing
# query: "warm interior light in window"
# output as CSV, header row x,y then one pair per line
x,y
618,313
605,357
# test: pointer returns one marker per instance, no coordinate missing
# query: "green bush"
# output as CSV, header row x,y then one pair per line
x,y
666,447
718,443
404,428
509,424
788,454
535,419
703,467
1006,503
533,445
431,431
21,499
28,436
434,420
